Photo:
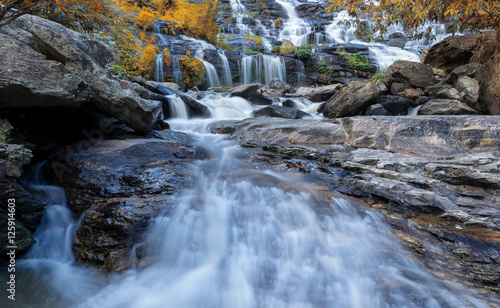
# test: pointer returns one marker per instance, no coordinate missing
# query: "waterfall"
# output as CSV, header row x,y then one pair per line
x,y
228,78
242,237
295,28
178,108
211,78
301,76
341,33
158,70
262,69
176,70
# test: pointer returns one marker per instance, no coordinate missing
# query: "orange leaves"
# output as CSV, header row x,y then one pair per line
x,y
146,19
144,37
460,14
193,71
167,58
147,60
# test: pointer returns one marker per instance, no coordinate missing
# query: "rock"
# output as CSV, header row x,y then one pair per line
x,y
455,51
319,94
250,93
465,70
433,90
280,112
97,50
126,183
376,109
445,107
108,93
261,100
470,89
351,99
449,93
281,86
27,79
397,88
195,108
175,87
246,91
287,47
489,85
393,104
411,73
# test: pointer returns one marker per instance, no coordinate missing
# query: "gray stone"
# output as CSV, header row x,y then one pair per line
x,y
28,79
108,93
414,74
351,99
470,89
445,107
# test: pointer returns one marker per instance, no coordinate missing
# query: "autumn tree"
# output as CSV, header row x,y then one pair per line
x,y
83,15
461,15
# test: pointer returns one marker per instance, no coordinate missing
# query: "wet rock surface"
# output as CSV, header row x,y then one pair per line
x,y
119,186
438,193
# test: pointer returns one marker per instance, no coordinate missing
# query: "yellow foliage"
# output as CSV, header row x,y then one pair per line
x,y
249,37
144,37
460,14
147,60
188,53
167,58
258,40
146,19
196,19
193,71
129,52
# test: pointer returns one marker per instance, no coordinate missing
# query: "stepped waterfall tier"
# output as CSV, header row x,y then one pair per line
x,y
247,153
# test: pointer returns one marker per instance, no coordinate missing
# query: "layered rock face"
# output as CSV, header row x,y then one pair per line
x,y
60,67
435,174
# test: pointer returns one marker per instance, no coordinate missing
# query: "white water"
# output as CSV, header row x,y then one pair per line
x,y
228,78
241,237
158,69
295,28
262,69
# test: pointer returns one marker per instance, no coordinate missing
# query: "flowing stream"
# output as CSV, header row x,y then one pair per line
x,y
240,237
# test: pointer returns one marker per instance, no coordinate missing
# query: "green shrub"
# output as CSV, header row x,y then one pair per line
x,y
304,52
276,49
379,75
359,62
321,66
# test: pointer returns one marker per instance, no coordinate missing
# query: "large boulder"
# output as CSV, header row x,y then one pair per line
x,y
20,29
445,107
469,87
464,70
351,99
110,95
318,94
489,81
411,73
455,51
119,186
394,104
28,79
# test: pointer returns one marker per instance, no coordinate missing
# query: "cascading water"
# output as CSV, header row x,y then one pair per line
x,y
158,69
242,237
228,78
261,69
211,78
295,28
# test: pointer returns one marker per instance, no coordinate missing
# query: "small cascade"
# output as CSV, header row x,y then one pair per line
x,y
159,36
211,78
295,28
178,108
384,55
341,33
226,70
301,76
262,69
158,70
176,70
239,13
